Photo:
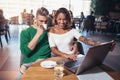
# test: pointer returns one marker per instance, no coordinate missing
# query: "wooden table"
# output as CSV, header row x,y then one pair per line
x,y
36,72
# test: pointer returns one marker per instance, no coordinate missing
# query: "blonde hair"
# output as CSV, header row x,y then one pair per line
x,y
42,11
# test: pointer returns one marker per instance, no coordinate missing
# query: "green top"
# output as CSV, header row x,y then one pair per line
x,y
42,49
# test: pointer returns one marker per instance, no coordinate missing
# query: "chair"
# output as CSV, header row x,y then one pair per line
x,y
3,32
77,22
8,31
7,27
80,47
102,26
21,58
6,37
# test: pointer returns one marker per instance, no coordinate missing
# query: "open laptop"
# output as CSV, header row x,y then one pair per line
x,y
94,57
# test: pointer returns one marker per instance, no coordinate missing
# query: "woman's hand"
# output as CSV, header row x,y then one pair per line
x,y
113,45
71,56
75,51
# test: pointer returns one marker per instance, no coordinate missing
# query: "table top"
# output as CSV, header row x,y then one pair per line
x,y
36,72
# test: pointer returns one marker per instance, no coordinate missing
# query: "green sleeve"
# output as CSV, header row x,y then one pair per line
x,y
24,40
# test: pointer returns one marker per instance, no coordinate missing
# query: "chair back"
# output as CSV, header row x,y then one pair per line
x,y
3,32
21,58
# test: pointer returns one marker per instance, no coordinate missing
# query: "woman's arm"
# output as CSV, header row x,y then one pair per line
x,y
65,55
57,52
95,43
89,41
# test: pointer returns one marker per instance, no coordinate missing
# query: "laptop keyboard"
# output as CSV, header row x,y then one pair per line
x,y
71,63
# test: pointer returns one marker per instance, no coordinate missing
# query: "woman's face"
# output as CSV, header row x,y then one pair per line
x,y
61,20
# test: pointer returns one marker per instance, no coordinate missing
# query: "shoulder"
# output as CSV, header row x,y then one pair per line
x,y
26,30
73,30
51,29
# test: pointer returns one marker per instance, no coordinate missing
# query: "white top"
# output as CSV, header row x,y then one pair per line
x,y
63,41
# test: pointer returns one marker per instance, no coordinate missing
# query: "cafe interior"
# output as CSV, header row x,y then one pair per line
x,y
17,15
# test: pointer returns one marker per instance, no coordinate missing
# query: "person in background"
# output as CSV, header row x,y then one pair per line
x,y
91,17
24,15
61,36
4,23
34,44
89,22
82,17
2,20
1,15
51,18
53,13
72,19
31,17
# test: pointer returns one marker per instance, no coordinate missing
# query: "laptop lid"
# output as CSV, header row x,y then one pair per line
x,y
94,57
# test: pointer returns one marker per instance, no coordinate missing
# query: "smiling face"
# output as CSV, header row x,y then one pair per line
x,y
61,20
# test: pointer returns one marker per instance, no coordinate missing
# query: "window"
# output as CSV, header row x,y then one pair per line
x,y
15,7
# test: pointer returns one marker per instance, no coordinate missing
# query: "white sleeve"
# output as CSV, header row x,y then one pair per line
x,y
76,33
51,40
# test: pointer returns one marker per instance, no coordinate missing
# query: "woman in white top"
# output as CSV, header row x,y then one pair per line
x,y
61,35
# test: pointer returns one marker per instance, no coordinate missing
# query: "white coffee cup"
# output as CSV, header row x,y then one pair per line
x,y
44,26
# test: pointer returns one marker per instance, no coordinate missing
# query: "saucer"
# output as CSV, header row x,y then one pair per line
x,y
48,64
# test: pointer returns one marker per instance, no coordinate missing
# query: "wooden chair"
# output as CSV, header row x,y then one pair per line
x,y
3,32
6,37
79,46
7,27
77,21
21,58
102,26
8,31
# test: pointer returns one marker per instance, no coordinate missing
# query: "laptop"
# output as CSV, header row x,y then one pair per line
x,y
94,57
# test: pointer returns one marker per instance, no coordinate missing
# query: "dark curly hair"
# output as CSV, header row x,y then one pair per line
x,y
64,11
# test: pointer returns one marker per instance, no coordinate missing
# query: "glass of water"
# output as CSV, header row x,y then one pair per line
x,y
59,69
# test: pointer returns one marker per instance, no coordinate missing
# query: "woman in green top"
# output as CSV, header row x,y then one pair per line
x,y
34,44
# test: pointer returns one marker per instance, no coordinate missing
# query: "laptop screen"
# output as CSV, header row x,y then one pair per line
x,y
94,57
